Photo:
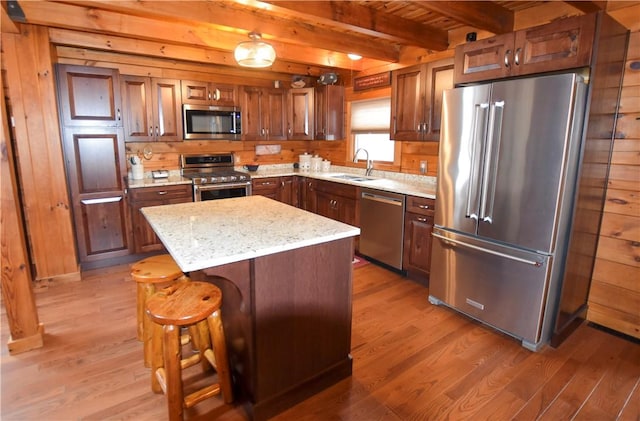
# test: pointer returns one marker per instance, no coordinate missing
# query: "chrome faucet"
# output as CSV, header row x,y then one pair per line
x,y
369,162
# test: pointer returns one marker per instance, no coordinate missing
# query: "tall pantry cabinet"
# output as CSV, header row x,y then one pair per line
x,y
93,146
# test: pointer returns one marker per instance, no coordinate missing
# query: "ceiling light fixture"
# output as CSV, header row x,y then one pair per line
x,y
354,56
254,53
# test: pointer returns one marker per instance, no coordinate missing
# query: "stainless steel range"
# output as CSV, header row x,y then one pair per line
x,y
213,176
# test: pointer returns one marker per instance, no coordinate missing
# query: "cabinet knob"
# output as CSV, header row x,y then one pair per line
x,y
423,206
420,219
162,193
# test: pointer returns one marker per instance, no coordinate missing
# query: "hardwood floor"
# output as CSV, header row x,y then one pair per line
x,y
411,361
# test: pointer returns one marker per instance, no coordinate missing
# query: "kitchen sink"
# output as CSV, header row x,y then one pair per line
x,y
351,177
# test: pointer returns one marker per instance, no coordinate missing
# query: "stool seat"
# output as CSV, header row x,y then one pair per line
x,y
194,305
149,272
156,269
183,305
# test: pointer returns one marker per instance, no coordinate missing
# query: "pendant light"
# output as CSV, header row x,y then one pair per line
x,y
254,53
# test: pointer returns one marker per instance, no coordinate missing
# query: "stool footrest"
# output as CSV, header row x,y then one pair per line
x,y
190,361
162,379
200,395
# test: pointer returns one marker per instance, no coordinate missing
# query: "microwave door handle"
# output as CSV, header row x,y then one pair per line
x,y
478,134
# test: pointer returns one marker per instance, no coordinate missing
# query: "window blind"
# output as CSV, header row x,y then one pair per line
x,y
371,116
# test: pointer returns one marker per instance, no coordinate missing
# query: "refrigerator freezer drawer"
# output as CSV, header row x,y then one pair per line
x,y
498,285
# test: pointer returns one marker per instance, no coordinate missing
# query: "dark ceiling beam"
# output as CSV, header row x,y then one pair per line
x,y
484,15
365,20
588,6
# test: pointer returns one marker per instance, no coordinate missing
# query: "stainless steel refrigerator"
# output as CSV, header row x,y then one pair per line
x,y
507,175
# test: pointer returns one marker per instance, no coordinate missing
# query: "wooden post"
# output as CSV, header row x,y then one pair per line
x,y
26,331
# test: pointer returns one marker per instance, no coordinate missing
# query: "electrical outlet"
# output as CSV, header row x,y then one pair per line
x,y
423,167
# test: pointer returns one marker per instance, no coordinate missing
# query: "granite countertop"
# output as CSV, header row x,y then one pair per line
x,y
215,232
415,185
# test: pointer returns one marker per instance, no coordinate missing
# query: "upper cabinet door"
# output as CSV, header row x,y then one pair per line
x,y
559,45
208,93
152,109
407,103
329,112
89,96
167,107
301,113
416,100
138,112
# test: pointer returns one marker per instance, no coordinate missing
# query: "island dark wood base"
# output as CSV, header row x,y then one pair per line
x,y
287,320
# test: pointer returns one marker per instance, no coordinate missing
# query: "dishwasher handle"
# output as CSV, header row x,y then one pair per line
x,y
382,199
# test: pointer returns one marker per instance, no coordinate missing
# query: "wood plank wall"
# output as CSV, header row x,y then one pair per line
x,y
614,298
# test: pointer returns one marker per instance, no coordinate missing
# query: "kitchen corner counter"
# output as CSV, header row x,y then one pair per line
x,y
410,184
211,233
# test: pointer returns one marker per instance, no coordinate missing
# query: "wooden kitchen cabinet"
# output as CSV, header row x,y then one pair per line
x,y
152,109
562,44
329,112
418,226
208,93
337,201
96,170
89,96
264,113
301,104
144,238
282,189
416,100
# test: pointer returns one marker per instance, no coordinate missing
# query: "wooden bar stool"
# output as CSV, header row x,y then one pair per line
x,y
147,273
187,304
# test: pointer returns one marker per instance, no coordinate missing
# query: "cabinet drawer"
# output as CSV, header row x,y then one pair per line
x,y
337,189
420,205
181,191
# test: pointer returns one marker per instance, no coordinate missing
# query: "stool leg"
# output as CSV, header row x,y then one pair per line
x,y
147,330
172,355
220,351
156,356
204,342
140,315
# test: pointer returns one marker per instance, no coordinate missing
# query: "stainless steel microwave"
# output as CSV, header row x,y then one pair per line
x,y
205,122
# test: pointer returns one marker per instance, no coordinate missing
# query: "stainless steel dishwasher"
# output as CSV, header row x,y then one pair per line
x,y
382,226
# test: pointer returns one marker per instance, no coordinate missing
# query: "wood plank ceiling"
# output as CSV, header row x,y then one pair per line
x,y
309,36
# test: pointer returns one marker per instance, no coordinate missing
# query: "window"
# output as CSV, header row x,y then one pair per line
x,y
370,128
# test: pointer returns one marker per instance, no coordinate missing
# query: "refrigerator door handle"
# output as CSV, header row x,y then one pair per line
x,y
491,161
485,250
477,140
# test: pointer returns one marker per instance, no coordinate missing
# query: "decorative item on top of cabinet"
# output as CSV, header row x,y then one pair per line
x,y
301,114
208,93
264,113
144,238
89,96
418,225
152,109
562,44
329,112
282,189
416,100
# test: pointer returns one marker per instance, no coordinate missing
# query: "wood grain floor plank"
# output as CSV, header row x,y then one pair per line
x,y
411,361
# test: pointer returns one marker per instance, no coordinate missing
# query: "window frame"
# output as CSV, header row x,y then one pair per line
x,y
351,97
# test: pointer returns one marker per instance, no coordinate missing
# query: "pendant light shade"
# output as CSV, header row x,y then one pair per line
x,y
254,53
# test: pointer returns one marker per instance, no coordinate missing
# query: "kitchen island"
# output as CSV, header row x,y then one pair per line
x,y
286,280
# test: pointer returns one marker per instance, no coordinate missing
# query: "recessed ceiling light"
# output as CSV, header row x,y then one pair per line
x,y
354,56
